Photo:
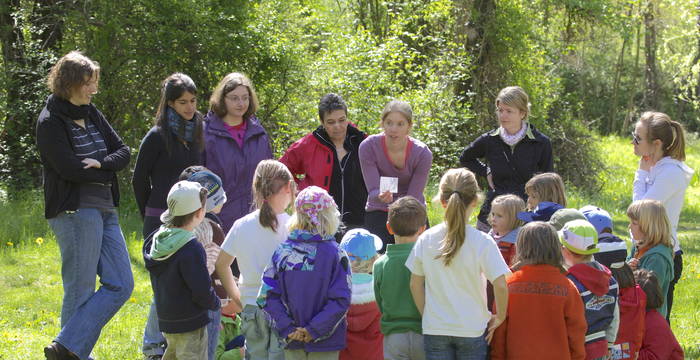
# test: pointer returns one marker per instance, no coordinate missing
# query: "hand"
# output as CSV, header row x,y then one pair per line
x,y
297,335
489,178
91,163
633,263
386,197
306,335
494,323
645,163
231,308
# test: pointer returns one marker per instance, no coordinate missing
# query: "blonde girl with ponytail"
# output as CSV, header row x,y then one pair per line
x,y
662,175
252,240
449,266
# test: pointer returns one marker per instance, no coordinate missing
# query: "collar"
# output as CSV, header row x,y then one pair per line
x,y
528,132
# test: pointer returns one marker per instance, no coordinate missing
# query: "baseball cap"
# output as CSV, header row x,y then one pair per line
x,y
580,237
183,199
563,216
360,244
543,212
598,217
215,188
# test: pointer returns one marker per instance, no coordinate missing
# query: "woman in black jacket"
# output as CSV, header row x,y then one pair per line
x,y
511,153
80,155
174,143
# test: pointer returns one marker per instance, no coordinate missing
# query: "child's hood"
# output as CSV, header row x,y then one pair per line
x,y
510,237
168,241
362,314
306,236
632,297
593,276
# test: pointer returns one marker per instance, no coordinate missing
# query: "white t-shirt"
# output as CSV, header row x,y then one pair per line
x,y
455,295
253,246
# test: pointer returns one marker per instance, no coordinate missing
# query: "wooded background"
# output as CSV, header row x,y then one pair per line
x,y
590,66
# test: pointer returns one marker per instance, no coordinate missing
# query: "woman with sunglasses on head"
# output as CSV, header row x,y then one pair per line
x,y
174,143
662,175
509,155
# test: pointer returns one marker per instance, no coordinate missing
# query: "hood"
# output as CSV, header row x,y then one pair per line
x,y
167,241
361,316
307,237
669,162
631,297
362,290
509,237
593,276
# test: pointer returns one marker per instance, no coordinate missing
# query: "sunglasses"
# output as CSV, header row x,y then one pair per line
x,y
635,138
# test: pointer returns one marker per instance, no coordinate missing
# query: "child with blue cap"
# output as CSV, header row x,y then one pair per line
x,y
364,336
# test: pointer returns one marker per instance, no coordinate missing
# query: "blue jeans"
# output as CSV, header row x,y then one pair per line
x,y
153,339
213,329
440,347
91,244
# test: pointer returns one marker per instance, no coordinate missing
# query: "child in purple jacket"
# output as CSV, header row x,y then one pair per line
x,y
306,288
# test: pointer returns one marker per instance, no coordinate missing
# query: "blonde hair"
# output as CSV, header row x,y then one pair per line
x,y
653,221
230,82
538,243
511,205
329,220
400,107
459,189
660,126
70,72
548,187
516,97
269,178
363,266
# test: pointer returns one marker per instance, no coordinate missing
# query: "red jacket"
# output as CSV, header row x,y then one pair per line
x,y
364,337
659,342
633,303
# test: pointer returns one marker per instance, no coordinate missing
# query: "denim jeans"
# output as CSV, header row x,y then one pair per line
x,y
153,339
404,346
213,329
441,347
91,244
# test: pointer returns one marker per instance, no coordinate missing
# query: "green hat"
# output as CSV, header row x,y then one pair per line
x,y
580,237
563,216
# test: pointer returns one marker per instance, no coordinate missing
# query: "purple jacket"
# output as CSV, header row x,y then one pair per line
x,y
235,165
308,285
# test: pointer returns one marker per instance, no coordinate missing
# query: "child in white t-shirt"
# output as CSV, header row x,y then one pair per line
x,y
449,266
252,240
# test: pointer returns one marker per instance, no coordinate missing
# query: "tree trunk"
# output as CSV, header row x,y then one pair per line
x,y
651,93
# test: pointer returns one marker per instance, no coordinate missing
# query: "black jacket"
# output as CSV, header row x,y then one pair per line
x,y
157,170
347,185
182,288
62,170
510,168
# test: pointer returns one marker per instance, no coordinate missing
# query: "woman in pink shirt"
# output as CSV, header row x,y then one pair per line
x,y
392,154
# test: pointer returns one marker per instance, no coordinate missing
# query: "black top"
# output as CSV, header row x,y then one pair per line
x,y
90,144
347,184
157,170
63,171
510,167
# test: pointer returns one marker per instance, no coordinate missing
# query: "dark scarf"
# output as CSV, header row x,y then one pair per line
x,y
175,121
68,109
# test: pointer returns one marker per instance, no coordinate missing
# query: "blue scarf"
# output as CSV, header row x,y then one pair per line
x,y
175,121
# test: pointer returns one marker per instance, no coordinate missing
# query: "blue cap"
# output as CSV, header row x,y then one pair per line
x,y
360,244
215,188
598,217
543,212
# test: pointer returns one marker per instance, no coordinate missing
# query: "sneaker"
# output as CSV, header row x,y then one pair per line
x,y
153,357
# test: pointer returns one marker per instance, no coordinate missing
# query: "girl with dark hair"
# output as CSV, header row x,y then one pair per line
x,y
171,145
80,156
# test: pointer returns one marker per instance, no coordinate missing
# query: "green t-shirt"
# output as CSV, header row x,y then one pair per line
x,y
393,293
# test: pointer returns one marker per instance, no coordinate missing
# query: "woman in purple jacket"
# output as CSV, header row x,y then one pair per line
x,y
398,158
235,143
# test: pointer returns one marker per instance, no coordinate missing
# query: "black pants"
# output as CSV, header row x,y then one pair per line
x,y
375,222
677,271
150,224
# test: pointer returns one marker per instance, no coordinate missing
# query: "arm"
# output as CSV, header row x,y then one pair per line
x,y
370,172
666,184
55,147
472,153
223,269
270,300
145,161
576,325
193,271
419,177
377,273
546,163
500,291
293,161
417,286
324,323
119,158
611,331
498,342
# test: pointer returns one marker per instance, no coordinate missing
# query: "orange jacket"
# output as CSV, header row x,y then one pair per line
x,y
545,317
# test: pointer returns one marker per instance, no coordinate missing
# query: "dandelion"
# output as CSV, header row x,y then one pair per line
x,y
39,240
132,300
10,243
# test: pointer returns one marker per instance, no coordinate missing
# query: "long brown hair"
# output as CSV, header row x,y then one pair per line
x,y
270,176
171,89
660,126
459,189
538,243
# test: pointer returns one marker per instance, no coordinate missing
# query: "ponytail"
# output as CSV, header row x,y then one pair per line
x,y
669,132
270,176
459,189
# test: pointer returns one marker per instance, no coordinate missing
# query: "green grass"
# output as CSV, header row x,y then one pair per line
x,y
31,291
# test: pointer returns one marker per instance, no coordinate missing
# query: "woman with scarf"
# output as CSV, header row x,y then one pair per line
x,y
509,155
173,144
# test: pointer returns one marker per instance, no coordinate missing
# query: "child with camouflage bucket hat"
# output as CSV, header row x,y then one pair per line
x,y
309,265
597,287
